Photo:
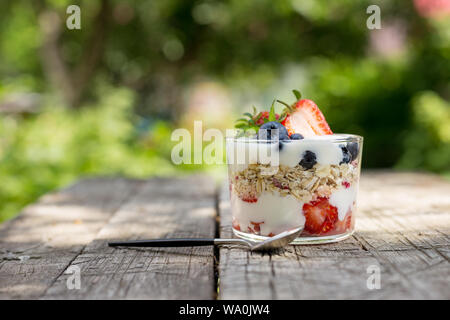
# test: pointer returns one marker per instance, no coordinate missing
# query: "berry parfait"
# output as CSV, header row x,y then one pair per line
x,y
289,170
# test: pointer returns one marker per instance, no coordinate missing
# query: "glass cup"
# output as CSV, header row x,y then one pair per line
x,y
279,185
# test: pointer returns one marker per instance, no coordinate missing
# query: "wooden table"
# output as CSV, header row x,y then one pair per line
x,y
403,228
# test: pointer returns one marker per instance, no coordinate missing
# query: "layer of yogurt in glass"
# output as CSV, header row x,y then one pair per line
x,y
272,189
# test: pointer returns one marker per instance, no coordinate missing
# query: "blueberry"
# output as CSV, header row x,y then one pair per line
x,y
296,136
353,148
346,155
284,140
309,160
265,131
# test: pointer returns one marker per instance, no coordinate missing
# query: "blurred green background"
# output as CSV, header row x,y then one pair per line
x,y
104,100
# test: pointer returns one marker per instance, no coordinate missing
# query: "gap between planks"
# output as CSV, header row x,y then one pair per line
x,y
401,228
170,206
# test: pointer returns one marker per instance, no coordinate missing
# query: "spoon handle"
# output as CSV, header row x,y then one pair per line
x,y
182,242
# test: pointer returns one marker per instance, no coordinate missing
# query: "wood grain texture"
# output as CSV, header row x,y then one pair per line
x,y
72,227
403,227
162,208
39,244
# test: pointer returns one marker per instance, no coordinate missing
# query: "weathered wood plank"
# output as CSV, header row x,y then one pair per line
x,y
403,227
38,245
162,208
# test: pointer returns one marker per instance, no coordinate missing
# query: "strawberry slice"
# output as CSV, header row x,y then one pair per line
x,y
306,119
257,225
236,225
320,216
249,199
344,225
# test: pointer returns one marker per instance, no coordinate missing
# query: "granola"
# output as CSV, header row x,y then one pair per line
x,y
305,185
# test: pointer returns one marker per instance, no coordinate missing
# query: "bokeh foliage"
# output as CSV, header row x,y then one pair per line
x,y
128,76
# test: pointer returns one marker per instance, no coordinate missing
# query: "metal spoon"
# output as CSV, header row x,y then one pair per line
x,y
280,240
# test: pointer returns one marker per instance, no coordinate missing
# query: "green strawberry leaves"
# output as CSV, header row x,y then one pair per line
x,y
297,94
248,122
272,112
289,108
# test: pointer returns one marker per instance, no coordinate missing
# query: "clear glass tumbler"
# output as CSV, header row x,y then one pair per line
x,y
280,185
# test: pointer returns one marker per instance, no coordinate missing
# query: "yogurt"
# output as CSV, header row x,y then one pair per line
x,y
326,152
343,200
243,152
272,212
